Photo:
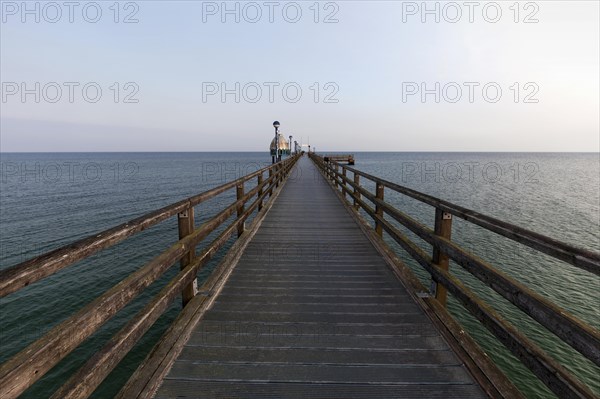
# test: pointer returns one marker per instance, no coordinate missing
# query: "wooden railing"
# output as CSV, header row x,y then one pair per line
x,y
579,335
348,158
31,363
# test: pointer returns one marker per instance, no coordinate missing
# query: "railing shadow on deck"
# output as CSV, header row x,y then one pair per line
x,y
582,337
30,364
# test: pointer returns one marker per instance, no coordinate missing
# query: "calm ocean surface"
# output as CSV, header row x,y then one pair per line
x,y
49,200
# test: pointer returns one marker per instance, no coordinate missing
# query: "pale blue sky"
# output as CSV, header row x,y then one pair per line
x,y
370,57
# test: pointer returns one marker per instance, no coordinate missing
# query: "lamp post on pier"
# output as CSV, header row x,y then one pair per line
x,y
290,147
276,156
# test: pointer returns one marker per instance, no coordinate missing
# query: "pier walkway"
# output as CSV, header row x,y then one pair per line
x,y
308,299
312,310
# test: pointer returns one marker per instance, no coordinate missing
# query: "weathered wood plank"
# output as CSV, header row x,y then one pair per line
x,y
306,356
320,373
273,390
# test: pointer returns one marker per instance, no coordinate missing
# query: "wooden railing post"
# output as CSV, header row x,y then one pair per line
x,y
356,192
330,170
185,221
260,191
271,175
239,192
378,209
343,182
335,177
443,228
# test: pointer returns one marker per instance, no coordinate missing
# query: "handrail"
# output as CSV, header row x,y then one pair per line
x,y
94,371
568,328
28,272
582,258
26,367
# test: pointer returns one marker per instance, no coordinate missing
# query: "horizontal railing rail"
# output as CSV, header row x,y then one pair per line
x,y
568,328
585,259
349,158
30,364
14,278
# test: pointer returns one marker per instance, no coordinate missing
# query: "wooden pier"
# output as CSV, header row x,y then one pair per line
x,y
312,309
309,301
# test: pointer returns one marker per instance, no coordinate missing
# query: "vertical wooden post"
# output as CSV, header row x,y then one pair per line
x,y
335,176
271,175
356,192
239,192
260,191
343,182
379,210
185,222
443,228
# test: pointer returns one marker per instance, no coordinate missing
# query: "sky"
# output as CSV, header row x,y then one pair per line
x,y
341,75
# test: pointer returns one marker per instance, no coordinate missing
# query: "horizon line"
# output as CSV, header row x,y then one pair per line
x,y
319,152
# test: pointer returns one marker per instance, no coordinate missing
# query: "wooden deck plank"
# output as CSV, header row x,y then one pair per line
x,y
290,328
312,310
320,298
363,357
332,374
227,390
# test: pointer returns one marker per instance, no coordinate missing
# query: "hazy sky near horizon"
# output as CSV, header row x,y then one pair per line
x,y
349,75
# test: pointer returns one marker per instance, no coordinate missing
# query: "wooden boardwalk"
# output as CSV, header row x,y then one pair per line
x,y
312,310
